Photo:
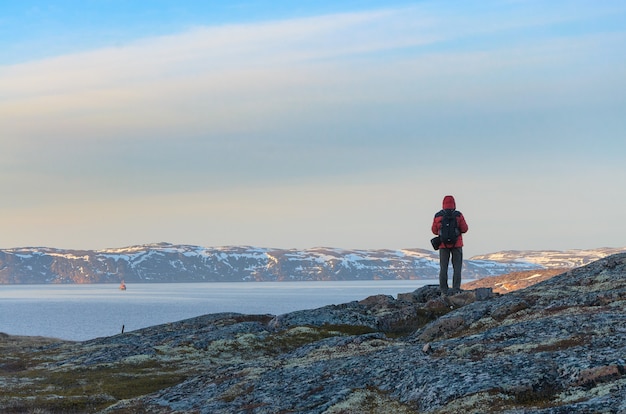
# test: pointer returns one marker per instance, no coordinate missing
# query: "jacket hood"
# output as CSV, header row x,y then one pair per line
x,y
449,203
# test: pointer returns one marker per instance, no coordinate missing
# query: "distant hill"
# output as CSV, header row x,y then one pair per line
x,y
552,262
514,281
164,262
552,259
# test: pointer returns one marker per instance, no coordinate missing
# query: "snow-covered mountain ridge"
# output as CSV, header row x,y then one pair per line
x,y
164,262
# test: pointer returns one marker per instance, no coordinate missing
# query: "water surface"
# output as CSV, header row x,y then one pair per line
x,y
80,312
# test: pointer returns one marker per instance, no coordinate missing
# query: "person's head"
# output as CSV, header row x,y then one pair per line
x,y
449,203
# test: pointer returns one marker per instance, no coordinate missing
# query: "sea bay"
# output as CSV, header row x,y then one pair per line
x,y
82,312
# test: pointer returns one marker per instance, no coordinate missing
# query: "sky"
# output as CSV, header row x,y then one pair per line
x,y
292,124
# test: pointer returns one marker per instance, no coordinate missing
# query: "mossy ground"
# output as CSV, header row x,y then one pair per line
x,y
35,379
33,383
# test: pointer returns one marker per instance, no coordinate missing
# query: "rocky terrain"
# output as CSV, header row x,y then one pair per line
x,y
558,346
164,262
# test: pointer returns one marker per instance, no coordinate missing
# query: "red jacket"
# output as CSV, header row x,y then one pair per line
x,y
450,204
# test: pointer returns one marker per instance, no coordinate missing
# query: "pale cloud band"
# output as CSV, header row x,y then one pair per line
x,y
250,77
310,106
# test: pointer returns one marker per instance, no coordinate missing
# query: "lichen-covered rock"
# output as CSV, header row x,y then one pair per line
x,y
556,347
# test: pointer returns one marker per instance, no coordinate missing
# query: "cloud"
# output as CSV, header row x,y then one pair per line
x,y
247,79
331,130
311,99
212,49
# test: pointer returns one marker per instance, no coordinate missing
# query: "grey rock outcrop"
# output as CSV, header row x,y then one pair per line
x,y
556,347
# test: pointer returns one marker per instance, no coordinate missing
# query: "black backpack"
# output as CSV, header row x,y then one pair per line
x,y
449,231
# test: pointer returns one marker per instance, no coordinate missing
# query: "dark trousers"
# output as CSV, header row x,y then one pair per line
x,y
457,263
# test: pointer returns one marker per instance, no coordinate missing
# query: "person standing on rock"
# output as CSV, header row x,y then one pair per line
x,y
452,246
